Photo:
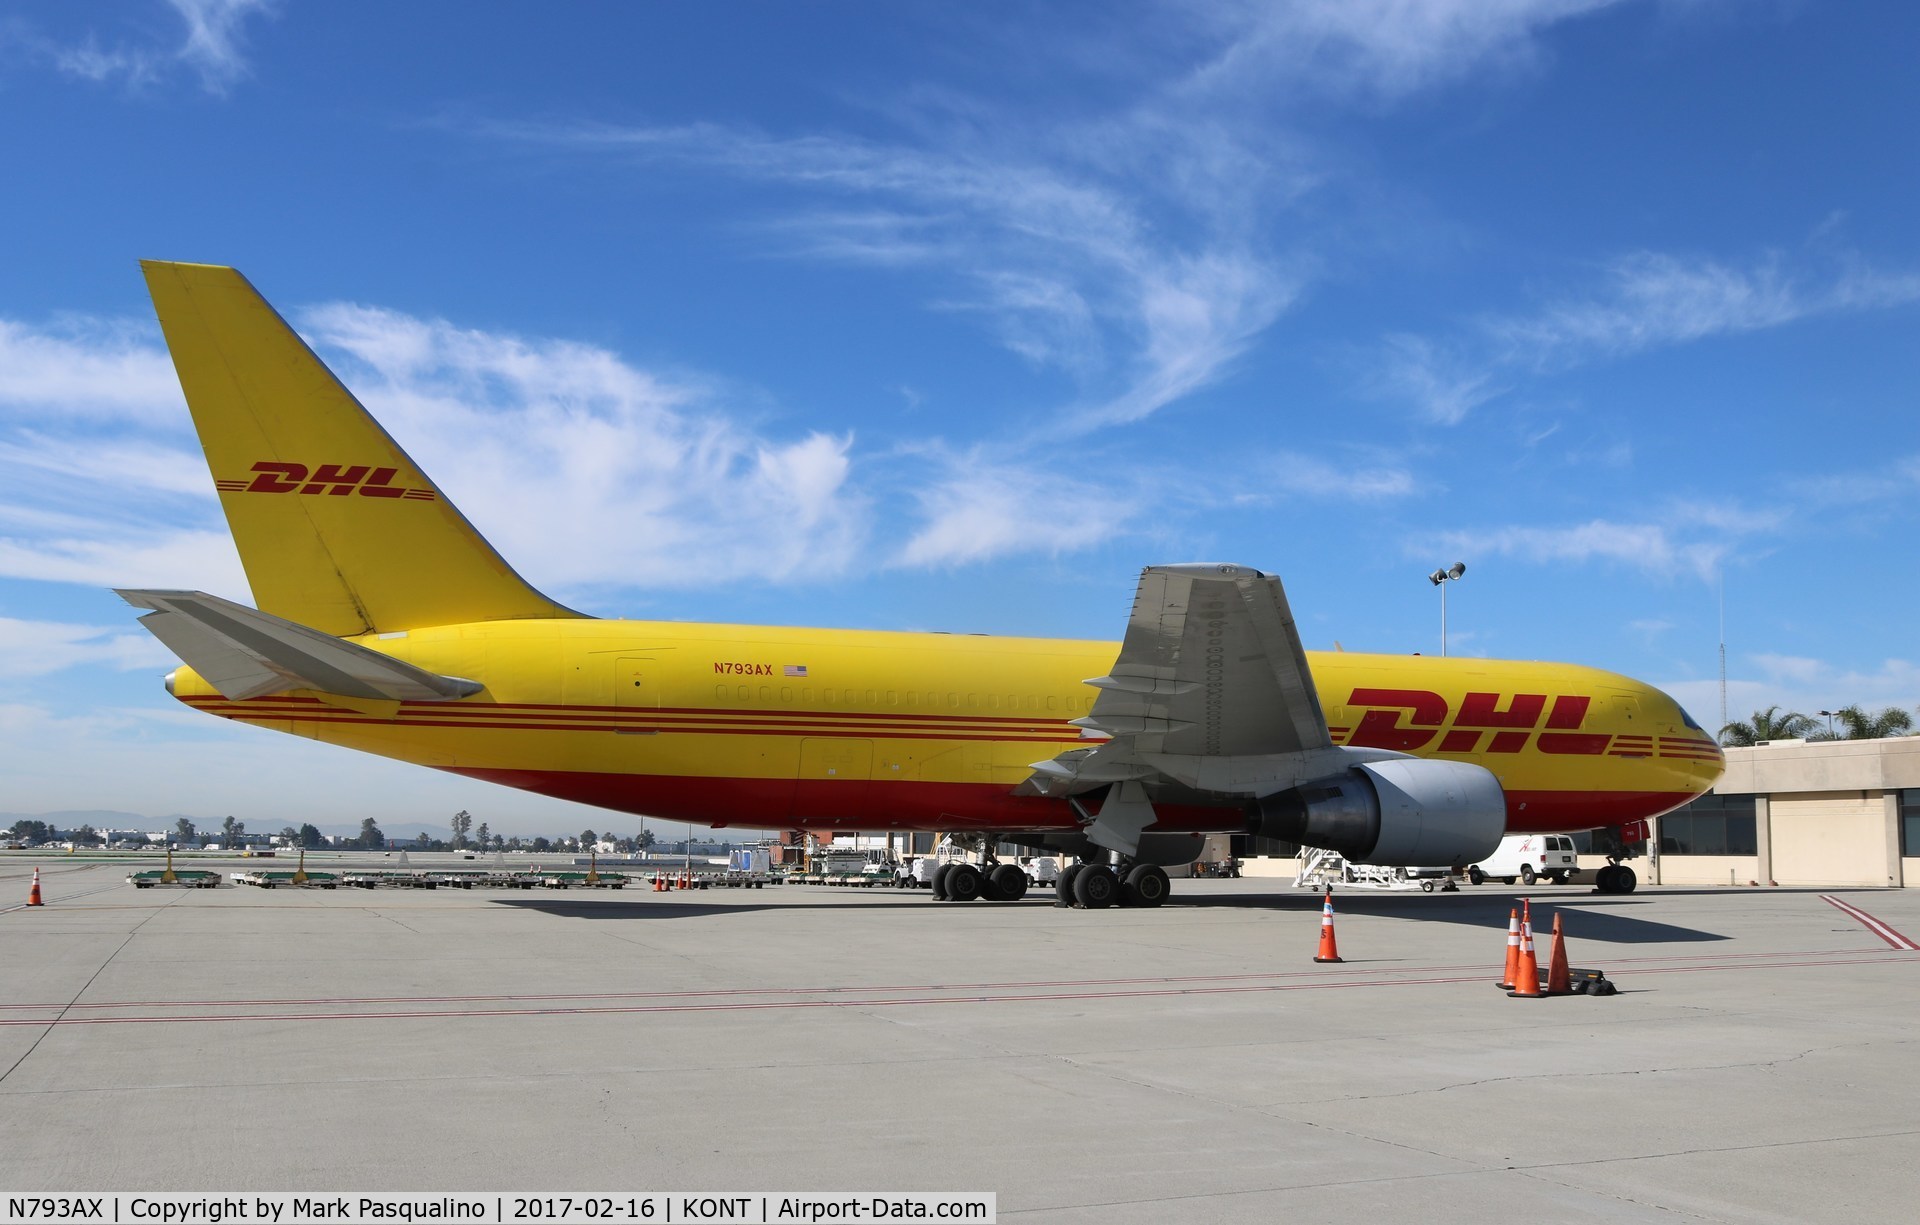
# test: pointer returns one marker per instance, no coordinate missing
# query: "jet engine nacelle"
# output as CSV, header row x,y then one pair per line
x,y
1397,813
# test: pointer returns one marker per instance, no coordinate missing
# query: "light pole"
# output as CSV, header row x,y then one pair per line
x,y
1440,579
1829,714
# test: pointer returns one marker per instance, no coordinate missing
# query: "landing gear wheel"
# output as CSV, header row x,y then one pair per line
x,y
940,882
1009,882
963,883
1603,877
1095,887
1063,884
1146,885
1527,875
1476,877
1624,880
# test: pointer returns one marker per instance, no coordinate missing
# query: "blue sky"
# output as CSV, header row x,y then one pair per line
x,y
934,316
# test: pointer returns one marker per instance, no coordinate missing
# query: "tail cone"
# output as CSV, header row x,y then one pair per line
x,y
1329,950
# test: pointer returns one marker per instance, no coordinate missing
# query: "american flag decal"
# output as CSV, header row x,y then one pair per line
x,y
795,670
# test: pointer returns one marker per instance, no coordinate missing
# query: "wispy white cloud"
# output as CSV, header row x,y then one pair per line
x,y
97,369
36,648
1351,480
1646,300
1052,240
1664,548
615,471
981,508
1803,686
1377,49
211,48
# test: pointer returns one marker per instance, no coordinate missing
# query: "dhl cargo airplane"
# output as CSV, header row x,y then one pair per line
x,y
385,623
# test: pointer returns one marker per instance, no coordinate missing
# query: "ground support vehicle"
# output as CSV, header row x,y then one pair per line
x,y
1528,858
190,879
275,880
1321,869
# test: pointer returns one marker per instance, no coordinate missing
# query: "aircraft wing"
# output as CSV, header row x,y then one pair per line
x,y
246,653
1211,667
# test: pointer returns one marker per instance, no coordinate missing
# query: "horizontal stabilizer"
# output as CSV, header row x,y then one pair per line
x,y
245,653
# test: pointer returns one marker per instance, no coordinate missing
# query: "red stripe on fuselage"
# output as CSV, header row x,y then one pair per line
x,y
896,804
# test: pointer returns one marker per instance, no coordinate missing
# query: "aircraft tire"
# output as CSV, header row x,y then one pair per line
x,y
1146,885
1603,878
963,883
1527,876
939,881
1625,880
1063,885
1095,887
1010,882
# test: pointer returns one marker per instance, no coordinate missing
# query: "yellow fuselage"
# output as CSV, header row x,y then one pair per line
x,y
843,729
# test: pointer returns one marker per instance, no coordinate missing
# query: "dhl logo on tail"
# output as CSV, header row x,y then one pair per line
x,y
337,480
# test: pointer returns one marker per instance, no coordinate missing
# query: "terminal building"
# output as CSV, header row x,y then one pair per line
x,y
1800,812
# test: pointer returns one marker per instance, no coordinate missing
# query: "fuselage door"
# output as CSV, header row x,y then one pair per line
x,y
834,774
636,681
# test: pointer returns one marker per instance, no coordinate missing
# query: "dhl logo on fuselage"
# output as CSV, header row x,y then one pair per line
x,y
335,480
1409,720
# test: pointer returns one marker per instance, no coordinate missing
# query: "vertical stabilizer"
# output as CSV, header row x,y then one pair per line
x,y
337,528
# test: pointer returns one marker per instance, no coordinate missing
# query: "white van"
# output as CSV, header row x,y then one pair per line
x,y
1527,858
1040,869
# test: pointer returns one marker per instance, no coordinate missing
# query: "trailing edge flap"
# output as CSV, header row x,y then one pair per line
x,y
246,653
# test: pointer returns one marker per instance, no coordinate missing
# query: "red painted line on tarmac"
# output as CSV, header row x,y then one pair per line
x,y
1872,924
1355,972
1428,980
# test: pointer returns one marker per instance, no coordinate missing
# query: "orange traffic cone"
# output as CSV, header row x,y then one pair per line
x,y
1526,976
1559,980
656,884
1329,951
1513,949
33,894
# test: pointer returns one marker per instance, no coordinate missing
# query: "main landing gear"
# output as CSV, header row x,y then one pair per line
x,y
1616,877
963,882
1096,886
1092,886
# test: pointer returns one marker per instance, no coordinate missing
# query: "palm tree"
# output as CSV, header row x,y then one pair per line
x,y
1857,724
1766,725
